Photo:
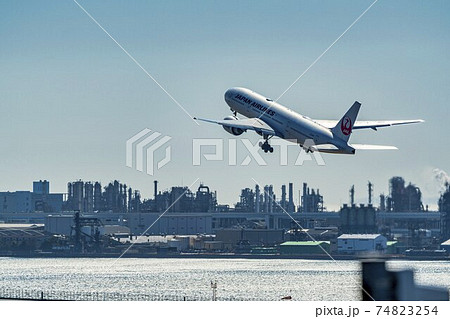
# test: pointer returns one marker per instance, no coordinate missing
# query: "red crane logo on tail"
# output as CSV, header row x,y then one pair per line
x,y
346,126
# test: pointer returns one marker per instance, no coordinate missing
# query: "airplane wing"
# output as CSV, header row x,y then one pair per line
x,y
368,124
254,124
372,147
325,148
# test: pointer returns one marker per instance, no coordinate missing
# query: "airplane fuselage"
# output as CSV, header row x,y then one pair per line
x,y
286,123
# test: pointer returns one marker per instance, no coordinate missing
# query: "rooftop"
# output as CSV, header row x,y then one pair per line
x,y
359,236
304,243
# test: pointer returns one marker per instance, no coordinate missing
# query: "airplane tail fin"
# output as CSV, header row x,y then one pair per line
x,y
343,128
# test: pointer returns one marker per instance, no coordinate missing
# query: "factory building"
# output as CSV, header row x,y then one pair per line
x,y
265,202
88,197
20,201
247,201
61,225
47,203
401,198
358,220
40,200
181,199
312,201
21,236
170,223
403,224
41,187
65,225
357,243
116,198
444,208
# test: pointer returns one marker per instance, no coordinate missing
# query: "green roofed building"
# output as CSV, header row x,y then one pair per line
x,y
392,247
305,248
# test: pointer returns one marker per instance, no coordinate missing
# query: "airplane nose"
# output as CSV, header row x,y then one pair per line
x,y
228,94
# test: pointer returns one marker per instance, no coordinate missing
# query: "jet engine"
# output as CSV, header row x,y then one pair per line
x,y
232,130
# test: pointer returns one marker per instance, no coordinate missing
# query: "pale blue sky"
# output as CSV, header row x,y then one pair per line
x,y
70,98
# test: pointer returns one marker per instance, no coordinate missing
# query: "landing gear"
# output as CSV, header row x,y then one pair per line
x,y
307,149
266,146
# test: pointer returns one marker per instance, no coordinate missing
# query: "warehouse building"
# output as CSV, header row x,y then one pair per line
x,y
356,243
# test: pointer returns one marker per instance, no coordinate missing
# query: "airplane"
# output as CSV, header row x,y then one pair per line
x,y
269,118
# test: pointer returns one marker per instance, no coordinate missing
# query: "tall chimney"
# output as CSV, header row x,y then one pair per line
x,y
266,199
257,199
270,199
155,194
352,195
291,198
304,198
283,196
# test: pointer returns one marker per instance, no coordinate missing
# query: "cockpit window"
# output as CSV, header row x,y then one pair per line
x,y
269,100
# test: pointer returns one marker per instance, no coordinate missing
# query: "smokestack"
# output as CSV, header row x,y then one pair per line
x,y
370,186
137,201
352,195
291,198
124,197
304,198
266,199
382,203
283,196
270,199
155,194
257,199
130,192
155,189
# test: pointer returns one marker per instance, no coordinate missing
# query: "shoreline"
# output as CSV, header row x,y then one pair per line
x,y
224,256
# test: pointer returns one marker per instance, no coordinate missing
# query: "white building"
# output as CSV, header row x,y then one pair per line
x,y
354,243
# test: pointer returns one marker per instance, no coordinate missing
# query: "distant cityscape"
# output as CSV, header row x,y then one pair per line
x,y
95,219
90,197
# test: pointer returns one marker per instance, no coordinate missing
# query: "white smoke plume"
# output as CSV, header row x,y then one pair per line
x,y
442,178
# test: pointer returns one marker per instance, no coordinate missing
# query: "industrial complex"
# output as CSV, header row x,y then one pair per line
x,y
91,219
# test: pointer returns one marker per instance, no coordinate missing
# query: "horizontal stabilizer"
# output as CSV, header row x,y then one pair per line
x,y
373,147
368,124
